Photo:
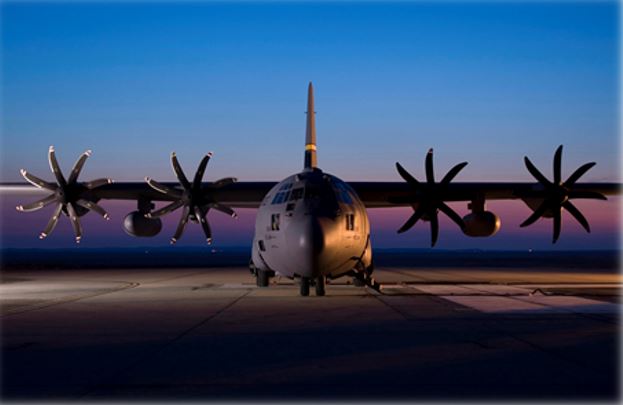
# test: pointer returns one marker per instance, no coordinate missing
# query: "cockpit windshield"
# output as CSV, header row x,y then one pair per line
x,y
320,196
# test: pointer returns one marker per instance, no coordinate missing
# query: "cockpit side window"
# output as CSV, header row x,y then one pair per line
x,y
350,222
274,222
342,193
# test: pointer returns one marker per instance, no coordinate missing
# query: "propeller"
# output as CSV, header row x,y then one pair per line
x,y
557,195
429,197
68,195
194,200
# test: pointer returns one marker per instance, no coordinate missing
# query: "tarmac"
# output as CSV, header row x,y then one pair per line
x,y
452,334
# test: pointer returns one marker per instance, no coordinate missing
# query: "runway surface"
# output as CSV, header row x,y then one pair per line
x,y
174,334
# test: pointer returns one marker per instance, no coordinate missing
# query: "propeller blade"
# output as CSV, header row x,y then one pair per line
x,y
52,222
75,171
161,188
201,216
97,183
179,173
557,223
452,173
406,175
165,210
55,167
578,173
36,181
180,226
591,195
224,182
224,209
430,174
201,170
434,227
535,172
412,220
577,215
37,205
93,207
452,214
75,222
538,213
558,165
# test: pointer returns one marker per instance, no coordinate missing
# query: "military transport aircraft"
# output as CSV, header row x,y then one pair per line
x,y
312,226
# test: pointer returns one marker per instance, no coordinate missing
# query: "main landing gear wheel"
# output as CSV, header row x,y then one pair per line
x,y
262,278
304,291
320,286
359,281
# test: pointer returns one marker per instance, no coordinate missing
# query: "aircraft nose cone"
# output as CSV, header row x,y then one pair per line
x,y
312,239
310,243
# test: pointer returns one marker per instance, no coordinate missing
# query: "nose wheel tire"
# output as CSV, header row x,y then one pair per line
x,y
320,284
304,287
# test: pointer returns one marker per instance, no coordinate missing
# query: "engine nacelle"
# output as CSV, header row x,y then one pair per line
x,y
484,223
135,224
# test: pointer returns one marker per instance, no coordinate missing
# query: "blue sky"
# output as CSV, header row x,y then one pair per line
x,y
482,82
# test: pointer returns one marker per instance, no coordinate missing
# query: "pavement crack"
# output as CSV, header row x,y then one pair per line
x,y
67,299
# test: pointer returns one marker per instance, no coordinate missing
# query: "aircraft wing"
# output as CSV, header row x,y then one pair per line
x,y
396,194
372,194
235,195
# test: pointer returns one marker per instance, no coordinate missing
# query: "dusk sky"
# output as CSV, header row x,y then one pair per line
x,y
487,83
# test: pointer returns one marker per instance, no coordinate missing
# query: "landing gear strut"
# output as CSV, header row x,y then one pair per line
x,y
304,291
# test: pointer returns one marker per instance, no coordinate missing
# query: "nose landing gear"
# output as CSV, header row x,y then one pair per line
x,y
318,282
304,287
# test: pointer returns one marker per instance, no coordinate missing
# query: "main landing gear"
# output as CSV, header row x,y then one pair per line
x,y
362,277
262,277
319,283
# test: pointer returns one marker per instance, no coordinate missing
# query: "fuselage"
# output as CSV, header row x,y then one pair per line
x,y
309,225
